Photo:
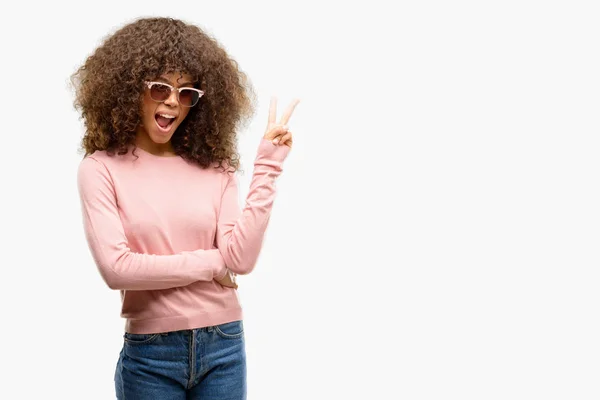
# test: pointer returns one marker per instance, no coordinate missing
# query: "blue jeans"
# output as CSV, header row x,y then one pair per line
x,y
205,363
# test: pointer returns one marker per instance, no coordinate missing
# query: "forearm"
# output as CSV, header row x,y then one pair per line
x,y
126,270
241,234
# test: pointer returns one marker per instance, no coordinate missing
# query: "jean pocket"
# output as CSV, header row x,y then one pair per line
x,y
230,330
140,338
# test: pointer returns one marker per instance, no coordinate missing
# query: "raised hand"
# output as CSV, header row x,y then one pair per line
x,y
278,132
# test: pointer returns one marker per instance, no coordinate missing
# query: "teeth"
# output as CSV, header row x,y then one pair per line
x,y
167,116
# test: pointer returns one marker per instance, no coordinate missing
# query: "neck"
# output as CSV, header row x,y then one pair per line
x,y
143,141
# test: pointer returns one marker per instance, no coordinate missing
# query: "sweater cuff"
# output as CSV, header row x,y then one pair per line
x,y
221,274
219,268
273,152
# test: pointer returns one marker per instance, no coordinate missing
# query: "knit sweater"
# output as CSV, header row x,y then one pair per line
x,y
161,228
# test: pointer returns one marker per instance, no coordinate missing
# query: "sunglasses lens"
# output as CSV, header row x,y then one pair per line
x,y
160,92
188,97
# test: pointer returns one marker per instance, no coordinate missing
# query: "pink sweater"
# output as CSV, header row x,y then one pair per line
x,y
160,229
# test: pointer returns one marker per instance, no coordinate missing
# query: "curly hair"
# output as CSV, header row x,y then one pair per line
x,y
109,88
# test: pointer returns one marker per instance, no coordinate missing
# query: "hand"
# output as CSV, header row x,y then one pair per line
x,y
279,133
228,280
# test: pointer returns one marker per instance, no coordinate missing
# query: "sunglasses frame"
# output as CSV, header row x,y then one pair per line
x,y
149,85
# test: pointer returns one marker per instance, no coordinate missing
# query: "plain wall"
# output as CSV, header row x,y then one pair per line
x,y
435,234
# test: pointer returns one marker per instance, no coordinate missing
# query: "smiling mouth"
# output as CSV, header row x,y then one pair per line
x,y
164,123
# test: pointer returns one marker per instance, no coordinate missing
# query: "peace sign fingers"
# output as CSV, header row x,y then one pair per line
x,y
288,112
272,110
278,131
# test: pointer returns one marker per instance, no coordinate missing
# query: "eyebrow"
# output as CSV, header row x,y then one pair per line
x,y
165,80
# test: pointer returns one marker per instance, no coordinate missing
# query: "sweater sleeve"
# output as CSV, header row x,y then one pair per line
x,y
240,232
121,268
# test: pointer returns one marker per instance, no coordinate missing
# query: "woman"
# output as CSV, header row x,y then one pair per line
x,y
161,101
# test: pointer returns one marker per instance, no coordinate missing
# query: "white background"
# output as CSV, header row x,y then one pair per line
x,y
436,230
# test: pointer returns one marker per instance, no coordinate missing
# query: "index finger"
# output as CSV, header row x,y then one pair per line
x,y
273,110
288,112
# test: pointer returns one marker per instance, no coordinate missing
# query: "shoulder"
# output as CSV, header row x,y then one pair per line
x,y
223,173
93,160
103,158
102,163
97,159
91,167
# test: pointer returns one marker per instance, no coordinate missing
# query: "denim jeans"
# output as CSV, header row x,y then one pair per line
x,y
205,363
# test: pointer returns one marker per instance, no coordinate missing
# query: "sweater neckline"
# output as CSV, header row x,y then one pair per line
x,y
144,153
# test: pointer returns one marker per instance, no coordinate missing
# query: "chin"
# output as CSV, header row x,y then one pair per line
x,y
160,137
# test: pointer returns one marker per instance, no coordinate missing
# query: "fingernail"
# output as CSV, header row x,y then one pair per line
x,y
275,141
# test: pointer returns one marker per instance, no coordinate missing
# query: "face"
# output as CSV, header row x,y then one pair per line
x,y
160,119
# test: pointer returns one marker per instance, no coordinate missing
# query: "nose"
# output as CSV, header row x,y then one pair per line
x,y
172,99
